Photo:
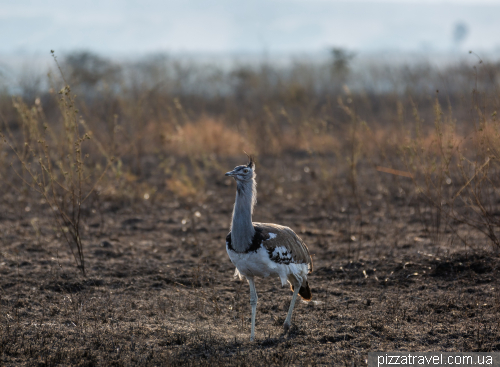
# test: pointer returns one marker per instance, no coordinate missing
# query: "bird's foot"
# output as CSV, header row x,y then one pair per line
x,y
252,338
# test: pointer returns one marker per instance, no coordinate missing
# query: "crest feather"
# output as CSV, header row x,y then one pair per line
x,y
251,162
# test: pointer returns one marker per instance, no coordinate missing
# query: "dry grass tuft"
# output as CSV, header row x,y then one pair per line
x,y
207,136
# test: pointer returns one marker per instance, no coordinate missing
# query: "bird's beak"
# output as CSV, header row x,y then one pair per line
x,y
230,173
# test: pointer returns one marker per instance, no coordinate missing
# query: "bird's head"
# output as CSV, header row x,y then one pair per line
x,y
244,172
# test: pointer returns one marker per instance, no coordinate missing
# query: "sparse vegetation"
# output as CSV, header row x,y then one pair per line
x,y
394,187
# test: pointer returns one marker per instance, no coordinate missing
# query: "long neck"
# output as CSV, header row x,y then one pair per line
x,y
242,231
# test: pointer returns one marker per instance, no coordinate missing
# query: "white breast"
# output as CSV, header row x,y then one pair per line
x,y
257,263
254,263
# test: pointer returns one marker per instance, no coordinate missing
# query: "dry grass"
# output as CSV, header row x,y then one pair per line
x,y
206,136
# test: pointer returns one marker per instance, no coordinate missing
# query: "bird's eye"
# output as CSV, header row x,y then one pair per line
x,y
245,170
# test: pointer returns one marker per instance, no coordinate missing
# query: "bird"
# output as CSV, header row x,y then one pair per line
x,y
264,249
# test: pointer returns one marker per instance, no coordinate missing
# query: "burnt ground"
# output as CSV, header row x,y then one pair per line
x,y
160,289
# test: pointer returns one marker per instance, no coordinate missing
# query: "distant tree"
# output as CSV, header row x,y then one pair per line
x,y
340,66
340,60
86,69
30,84
460,32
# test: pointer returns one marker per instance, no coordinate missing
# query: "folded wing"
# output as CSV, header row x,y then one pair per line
x,y
283,245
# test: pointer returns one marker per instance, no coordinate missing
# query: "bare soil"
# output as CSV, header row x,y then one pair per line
x,y
160,289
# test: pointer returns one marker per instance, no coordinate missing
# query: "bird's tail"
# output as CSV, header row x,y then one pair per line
x,y
304,291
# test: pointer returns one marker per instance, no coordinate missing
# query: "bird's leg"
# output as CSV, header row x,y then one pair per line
x,y
253,303
288,321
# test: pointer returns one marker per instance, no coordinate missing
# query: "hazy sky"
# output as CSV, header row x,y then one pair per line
x,y
126,26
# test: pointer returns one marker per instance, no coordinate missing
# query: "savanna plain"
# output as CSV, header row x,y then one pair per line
x,y
115,208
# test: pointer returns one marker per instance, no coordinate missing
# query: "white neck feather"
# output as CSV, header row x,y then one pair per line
x,y
242,230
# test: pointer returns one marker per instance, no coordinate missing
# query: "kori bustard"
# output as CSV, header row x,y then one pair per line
x,y
263,249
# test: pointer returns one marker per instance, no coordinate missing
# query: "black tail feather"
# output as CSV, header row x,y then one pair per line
x,y
304,292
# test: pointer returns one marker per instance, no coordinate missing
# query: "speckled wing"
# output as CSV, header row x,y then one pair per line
x,y
283,245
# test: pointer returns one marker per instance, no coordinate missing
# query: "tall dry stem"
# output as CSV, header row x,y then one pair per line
x,y
51,162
